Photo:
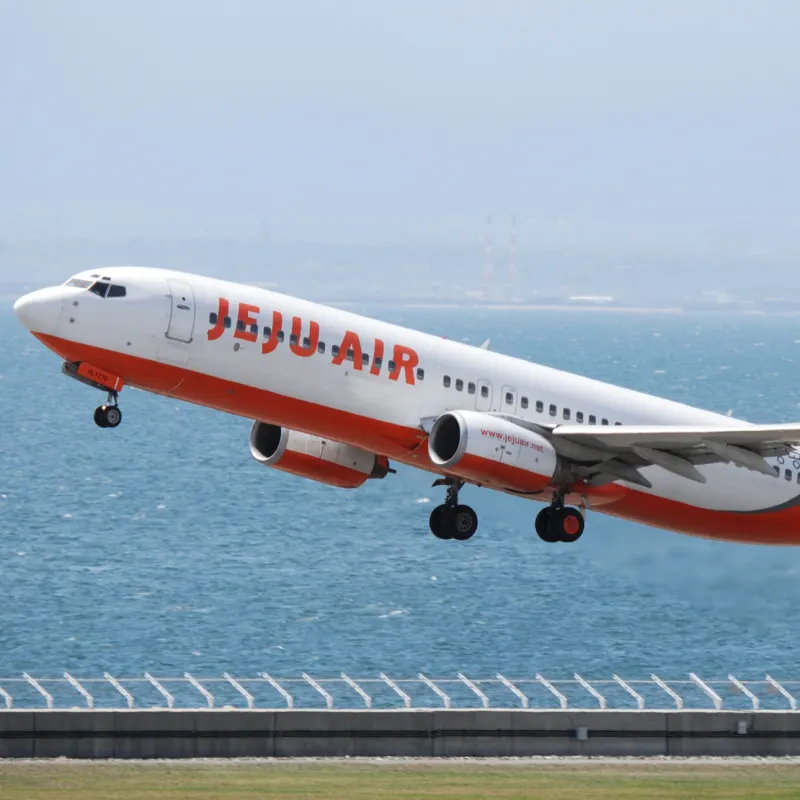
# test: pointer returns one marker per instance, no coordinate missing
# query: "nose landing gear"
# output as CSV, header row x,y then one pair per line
x,y
452,520
109,414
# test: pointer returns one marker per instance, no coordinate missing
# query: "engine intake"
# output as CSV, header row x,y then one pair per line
x,y
313,457
490,450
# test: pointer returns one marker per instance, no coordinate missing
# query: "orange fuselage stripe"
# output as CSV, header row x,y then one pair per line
x,y
396,441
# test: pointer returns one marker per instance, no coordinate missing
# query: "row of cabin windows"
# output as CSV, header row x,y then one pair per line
x,y
524,403
787,474
293,339
471,386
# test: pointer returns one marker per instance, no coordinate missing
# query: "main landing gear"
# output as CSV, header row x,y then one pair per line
x,y
108,415
559,523
452,520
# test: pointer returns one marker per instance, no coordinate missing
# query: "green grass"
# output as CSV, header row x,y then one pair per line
x,y
463,781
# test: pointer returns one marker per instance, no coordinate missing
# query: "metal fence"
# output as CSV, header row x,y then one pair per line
x,y
264,691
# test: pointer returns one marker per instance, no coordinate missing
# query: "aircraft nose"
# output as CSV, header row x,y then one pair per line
x,y
40,311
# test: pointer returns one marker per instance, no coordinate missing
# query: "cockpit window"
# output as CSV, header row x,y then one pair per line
x,y
78,283
103,289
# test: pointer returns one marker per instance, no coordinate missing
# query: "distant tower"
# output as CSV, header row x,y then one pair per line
x,y
488,269
512,265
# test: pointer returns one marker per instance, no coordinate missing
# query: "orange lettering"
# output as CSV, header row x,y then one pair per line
x,y
378,356
219,324
313,338
243,330
350,342
404,359
272,342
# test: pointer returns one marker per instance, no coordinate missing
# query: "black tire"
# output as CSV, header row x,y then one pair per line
x,y
437,523
462,521
113,416
100,417
567,524
543,526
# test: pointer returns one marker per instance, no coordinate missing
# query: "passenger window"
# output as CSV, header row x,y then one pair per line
x,y
618,423
378,362
777,471
605,422
212,318
350,355
116,291
446,381
306,342
459,385
788,474
420,374
280,336
239,324
391,366
592,419
365,359
226,322
579,416
509,398
292,338
267,331
471,387
539,406
321,347
484,391
254,329
335,350
553,410
523,402
566,413
798,477
99,289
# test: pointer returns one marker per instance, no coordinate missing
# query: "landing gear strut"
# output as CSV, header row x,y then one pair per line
x,y
108,415
452,520
559,523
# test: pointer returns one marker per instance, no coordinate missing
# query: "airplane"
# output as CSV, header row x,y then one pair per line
x,y
336,397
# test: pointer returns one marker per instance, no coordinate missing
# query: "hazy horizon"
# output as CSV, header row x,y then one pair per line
x,y
612,126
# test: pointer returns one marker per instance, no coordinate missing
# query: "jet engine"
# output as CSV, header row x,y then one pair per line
x,y
489,450
313,457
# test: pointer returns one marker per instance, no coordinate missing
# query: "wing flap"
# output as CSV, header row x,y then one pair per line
x,y
622,438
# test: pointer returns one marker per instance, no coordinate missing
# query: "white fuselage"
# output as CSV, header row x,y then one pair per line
x,y
346,401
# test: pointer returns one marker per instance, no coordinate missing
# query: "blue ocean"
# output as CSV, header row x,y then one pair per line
x,y
162,546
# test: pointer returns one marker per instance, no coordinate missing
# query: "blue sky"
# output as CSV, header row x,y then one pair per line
x,y
369,121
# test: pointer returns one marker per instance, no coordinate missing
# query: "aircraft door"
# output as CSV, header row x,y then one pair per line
x,y
508,400
483,397
181,316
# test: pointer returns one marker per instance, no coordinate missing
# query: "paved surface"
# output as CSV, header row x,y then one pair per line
x,y
560,761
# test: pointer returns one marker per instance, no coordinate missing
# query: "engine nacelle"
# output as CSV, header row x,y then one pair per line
x,y
313,457
490,450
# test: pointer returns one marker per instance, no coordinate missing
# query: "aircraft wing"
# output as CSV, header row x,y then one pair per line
x,y
678,437
605,453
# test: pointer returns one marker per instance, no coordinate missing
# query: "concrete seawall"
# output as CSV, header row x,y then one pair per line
x,y
139,734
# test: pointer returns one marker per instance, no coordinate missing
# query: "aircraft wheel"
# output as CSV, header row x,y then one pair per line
x,y
107,416
113,416
463,522
543,525
566,524
438,528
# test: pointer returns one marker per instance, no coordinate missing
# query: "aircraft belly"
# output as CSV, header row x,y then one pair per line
x,y
728,488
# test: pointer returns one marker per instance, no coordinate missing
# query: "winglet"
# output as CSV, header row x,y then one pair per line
x,y
485,345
